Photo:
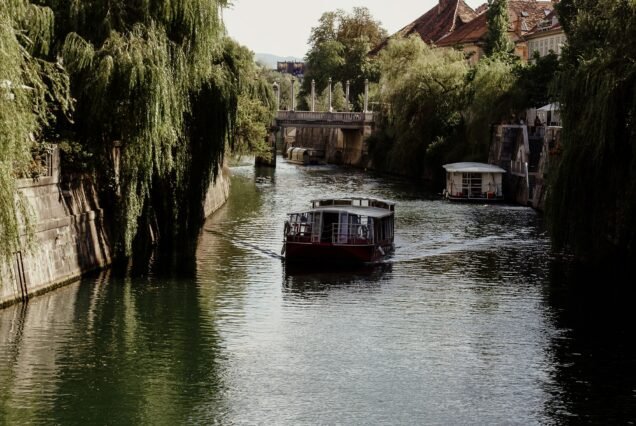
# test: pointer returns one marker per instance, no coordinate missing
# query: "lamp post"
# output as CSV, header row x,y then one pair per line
x,y
330,94
313,95
293,106
347,97
366,94
277,90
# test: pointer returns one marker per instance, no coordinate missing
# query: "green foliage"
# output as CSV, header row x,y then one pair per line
x,y
30,88
490,99
338,98
425,88
592,198
536,82
339,50
74,157
142,73
497,41
436,108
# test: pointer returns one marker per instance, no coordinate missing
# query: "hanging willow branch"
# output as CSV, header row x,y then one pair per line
x,y
158,79
592,198
29,89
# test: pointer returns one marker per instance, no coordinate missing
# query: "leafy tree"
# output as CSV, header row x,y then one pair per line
x,y
536,84
31,89
490,99
284,86
338,99
255,108
338,50
497,41
591,202
425,90
159,80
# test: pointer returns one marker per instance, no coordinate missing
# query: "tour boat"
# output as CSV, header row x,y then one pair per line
x,y
473,182
340,231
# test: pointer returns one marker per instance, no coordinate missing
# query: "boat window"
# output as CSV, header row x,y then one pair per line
x,y
343,228
471,184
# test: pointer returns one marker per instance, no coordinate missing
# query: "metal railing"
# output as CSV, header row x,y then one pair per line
x,y
348,117
351,233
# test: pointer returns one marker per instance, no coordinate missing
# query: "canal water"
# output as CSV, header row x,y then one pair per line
x,y
471,321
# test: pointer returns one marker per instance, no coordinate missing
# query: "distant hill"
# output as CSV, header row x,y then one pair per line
x,y
270,60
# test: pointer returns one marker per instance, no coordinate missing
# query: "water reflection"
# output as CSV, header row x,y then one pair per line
x,y
303,280
108,348
472,320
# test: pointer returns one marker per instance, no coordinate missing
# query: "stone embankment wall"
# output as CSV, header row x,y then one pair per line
x,y
71,237
218,192
525,152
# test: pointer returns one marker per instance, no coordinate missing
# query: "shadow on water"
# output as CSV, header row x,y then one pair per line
x,y
306,279
595,361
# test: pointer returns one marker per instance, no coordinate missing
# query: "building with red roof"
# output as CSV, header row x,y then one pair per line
x,y
452,23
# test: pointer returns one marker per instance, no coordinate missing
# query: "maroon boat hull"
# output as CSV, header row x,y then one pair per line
x,y
332,253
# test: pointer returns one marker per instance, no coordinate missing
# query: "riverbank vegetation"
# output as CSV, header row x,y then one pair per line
x,y
160,93
32,90
592,199
437,108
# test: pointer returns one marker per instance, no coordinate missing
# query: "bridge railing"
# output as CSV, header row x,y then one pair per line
x,y
324,116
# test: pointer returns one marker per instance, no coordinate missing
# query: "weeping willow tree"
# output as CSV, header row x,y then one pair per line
x,y
256,105
425,88
490,99
591,202
157,87
30,89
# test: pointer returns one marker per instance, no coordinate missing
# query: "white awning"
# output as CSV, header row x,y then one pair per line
x,y
473,168
549,107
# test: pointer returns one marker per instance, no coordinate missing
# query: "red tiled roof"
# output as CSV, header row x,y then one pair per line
x,y
549,24
523,16
447,16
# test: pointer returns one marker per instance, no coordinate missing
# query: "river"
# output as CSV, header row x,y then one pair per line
x,y
471,321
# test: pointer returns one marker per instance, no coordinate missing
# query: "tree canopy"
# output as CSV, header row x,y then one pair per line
x,y
160,92
339,45
31,89
497,41
425,89
592,198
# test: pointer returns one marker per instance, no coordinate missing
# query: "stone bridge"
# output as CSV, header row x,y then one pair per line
x,y
340,120
339,137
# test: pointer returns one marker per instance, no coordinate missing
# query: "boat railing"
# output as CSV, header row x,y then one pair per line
x,y
351,233
299,232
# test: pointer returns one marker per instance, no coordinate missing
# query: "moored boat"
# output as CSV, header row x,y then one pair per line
x,y
340,231
473,182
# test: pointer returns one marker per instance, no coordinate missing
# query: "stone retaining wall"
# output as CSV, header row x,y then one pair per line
x,y
71,235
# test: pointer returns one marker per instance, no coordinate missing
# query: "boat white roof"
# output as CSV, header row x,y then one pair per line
x,y
351,199
356,210
469,167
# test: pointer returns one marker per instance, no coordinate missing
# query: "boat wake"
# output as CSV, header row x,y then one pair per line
x,y
412,252
252,246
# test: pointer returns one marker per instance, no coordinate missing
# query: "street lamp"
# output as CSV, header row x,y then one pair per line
x,y
330,109
277,90
293,106
366,94
313,95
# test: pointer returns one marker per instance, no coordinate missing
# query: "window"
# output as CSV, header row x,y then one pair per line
x,y
471,184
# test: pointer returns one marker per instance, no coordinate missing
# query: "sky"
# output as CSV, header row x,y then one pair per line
x,y
282,27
